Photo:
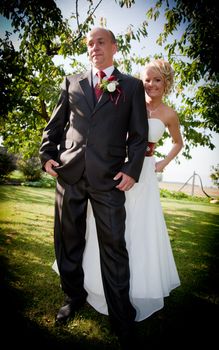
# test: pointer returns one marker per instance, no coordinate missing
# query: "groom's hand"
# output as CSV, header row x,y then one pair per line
x,y
49,167
126,182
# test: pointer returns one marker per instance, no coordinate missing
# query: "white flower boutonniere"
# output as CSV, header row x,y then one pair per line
x,y
111,85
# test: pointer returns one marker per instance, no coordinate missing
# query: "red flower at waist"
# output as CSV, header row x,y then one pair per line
x,y
150,149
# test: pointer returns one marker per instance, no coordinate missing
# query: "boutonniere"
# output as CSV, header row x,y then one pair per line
x,y
111,86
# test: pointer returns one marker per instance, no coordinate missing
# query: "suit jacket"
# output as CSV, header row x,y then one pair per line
x,y
102,138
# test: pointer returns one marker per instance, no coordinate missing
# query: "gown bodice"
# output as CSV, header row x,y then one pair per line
x,y
156,129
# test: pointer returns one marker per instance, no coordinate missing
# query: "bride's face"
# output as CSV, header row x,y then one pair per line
x,y
153,83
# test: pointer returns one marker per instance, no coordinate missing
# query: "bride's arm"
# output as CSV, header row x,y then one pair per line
x,y
174,130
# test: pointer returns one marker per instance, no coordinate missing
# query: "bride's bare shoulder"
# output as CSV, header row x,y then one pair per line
x,y
168,114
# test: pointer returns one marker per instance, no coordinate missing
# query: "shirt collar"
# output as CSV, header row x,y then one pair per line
x,y
108,71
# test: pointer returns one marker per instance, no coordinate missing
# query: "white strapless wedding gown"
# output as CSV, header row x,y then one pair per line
x,y
153,272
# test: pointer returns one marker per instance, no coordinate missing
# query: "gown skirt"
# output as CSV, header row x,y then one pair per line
x,y
153,272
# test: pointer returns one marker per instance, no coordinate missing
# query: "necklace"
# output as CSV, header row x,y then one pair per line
x,y
150,111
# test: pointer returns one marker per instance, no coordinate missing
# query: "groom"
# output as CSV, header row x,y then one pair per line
x,y
95,145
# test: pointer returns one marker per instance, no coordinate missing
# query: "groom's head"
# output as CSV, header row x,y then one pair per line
x,y
101,45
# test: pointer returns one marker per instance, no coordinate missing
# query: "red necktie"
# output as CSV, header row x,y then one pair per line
x,y
98,91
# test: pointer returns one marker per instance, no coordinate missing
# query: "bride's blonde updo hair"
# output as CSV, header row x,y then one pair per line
x,y
165,70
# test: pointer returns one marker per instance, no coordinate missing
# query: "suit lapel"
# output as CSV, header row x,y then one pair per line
x,y
86,86
103,99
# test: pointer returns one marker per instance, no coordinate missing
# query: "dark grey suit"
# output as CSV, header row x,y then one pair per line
x,y
92,143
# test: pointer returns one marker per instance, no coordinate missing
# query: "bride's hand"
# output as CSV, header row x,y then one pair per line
x,y
160,166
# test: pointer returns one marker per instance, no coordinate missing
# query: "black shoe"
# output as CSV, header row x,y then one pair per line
x,y
68,309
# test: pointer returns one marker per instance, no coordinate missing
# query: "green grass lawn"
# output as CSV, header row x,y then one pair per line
x,y
31,296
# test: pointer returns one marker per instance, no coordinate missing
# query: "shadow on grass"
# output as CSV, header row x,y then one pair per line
x,y
31,287
182,324
20,331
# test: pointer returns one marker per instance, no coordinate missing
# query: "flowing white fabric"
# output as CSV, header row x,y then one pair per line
x,y
153,272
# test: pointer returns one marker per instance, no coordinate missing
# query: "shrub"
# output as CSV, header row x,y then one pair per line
x,y
181,195
31,168
7,163
46,181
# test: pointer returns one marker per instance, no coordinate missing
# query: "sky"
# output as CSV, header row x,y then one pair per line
x,y
118,19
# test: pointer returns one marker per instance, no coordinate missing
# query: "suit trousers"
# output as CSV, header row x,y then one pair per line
x,y
69,239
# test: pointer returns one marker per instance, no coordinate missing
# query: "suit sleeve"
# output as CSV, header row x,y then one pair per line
x,y
138,133
53,132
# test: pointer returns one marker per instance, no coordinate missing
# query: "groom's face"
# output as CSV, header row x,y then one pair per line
x,y
101,48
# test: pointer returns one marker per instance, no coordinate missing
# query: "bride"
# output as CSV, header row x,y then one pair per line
x,y
153,273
